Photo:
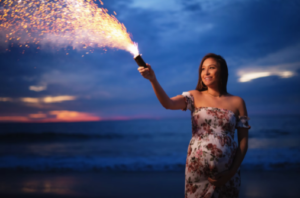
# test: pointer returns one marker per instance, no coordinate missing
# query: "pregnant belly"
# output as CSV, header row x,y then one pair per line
x,y
213,154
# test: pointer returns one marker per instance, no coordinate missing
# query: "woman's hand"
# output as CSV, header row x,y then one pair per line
x,y
221,178
147,72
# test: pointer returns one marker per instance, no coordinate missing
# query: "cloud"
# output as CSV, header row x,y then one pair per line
x,y
284,71
14,119
50,99
285,55
279,63
175,5
30,100
47,99
156,5
38,115
53,116
72,116
37,88
5,99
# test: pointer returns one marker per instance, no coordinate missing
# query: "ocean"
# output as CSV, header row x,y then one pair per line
x,y
137,145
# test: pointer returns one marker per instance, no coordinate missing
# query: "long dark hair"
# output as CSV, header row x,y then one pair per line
x,y
223,74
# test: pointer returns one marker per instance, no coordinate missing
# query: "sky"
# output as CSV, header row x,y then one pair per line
x,y
259,39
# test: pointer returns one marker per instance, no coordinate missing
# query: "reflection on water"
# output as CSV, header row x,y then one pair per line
x,y
56,186
39,184
255,184
93,184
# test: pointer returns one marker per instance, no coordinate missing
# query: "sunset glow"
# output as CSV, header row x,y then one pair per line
x,y
71,116
37,115
53,116
14,119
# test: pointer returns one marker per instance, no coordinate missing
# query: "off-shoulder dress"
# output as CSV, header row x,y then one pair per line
x,y
211,150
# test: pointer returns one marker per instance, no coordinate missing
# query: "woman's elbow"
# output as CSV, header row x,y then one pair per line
x,y
168,105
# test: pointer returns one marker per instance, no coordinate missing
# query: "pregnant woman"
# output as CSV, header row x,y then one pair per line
x,y
213,158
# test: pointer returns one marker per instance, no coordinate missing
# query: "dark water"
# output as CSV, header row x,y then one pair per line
x,y
135,145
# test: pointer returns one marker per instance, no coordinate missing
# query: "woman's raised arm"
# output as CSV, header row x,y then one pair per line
x,y
177,102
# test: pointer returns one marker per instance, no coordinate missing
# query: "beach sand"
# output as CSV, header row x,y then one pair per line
x,y
255,184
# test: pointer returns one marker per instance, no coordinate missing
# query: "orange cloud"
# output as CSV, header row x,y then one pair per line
x,y
14,119
73,116
53,116
38,115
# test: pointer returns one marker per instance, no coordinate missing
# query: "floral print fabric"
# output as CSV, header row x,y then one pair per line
x,y
211,150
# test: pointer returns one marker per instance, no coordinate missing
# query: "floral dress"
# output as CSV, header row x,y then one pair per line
x,y
211,150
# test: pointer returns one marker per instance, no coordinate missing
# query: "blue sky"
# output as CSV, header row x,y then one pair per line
x,y
256,37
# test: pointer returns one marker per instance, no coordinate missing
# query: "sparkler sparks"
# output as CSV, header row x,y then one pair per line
x,y
77,23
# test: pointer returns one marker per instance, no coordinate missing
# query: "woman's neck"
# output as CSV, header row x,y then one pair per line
x,y
214,92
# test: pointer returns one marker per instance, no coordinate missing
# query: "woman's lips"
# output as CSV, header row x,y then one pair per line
x,y
207,78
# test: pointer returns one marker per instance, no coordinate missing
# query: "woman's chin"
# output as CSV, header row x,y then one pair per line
x,y
210,84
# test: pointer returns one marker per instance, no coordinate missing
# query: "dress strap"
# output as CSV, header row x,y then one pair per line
x,y
189,100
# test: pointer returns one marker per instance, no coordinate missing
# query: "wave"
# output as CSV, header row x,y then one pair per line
x,y
90,163
256,159
28,137
63,136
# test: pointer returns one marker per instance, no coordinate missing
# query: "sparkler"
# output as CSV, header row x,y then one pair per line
x,y
62,23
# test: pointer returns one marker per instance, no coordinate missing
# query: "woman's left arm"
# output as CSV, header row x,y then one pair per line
x,y
241,151
242,134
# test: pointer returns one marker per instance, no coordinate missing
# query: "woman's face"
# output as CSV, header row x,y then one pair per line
x,y
210,72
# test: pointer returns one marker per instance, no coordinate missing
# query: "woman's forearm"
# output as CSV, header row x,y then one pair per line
x,y
239,157
163,98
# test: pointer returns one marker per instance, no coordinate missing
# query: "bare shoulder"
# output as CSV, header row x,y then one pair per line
x,y
237,100
195,93
239,104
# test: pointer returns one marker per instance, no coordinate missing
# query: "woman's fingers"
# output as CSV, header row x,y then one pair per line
x,y
142,68
144,71
147,72
211,180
